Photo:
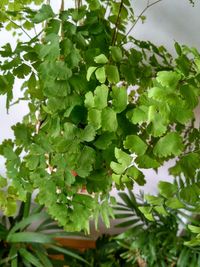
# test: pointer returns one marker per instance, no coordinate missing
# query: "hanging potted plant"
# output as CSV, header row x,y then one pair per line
x,y
85,126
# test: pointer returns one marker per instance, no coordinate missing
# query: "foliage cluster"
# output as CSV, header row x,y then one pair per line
x,y
99,112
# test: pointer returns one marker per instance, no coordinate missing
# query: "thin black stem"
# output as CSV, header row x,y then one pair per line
x,y
17,25
117,24
139,17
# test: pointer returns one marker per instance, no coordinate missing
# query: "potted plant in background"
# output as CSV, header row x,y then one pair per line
x,y
85,127
145,243
29,237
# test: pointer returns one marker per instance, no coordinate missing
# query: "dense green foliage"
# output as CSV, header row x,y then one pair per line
x,y
99,112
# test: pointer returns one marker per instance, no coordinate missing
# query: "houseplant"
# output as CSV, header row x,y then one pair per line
x,y
144,243
85,128
29,237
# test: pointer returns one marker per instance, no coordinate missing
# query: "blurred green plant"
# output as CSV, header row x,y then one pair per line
x,y
27,238
144,243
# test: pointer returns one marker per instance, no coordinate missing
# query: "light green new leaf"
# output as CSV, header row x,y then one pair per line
x,y
89,72
157,93
161,210
89,100
116,178
135,144
123,157
174,203
100,96
101,59
158,126
194,229
167,189
147,213
94,118
11,207
169,145
117,167
138,115
119,98
112,74
88,134
116,53
154,200
3,182
101,74
168,78
109,120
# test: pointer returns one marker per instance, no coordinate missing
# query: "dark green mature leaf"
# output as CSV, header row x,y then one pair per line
x,y
22,71
44,13
187,164
84,164
6,86
135,174
27,221
147,162
105,140
29,237
30,257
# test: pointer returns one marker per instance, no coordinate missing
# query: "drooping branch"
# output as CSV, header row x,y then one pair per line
x,y
117,24
17,25
149,5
